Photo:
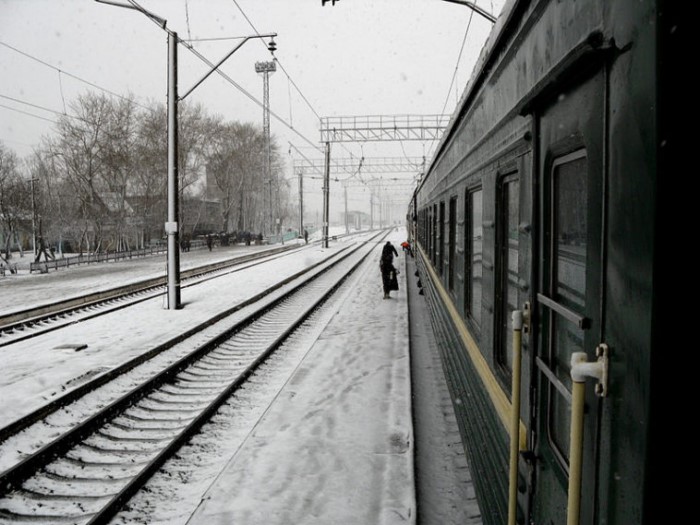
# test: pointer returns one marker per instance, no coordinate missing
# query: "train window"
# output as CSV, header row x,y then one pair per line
x,y
427,232
441,246
508,209
567,266
421,226
473,260
434,234
428,226
452,240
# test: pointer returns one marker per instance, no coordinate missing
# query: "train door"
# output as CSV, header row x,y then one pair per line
x,y
569,301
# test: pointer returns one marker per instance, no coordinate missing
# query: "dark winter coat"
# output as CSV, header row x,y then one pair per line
x,y
386,266
388,253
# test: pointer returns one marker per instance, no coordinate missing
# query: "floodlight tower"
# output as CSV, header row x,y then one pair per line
x,y
266,68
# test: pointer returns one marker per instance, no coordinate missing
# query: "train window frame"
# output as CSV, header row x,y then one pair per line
x,y
452,242
441,229
433,255
501,319
426,232
555,385
473,320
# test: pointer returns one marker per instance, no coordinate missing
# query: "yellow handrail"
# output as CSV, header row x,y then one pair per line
x,y
581,369
517,318
576,453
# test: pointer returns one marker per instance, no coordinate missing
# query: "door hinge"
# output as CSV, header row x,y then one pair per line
x,y
527,316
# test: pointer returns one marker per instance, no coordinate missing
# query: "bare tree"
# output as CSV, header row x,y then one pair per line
x,y
195,134
77,158
54,199
116,155
149,185
15,200
93,153
235,162
104,174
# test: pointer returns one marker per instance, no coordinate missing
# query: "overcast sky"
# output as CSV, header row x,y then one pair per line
x,y
359,57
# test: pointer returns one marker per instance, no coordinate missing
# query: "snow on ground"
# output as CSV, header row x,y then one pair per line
x,y
337,444
34,370
27,290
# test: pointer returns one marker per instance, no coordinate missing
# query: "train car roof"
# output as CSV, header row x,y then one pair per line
x,y
481,69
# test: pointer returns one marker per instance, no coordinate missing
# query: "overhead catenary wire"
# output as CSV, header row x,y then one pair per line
x,y
454,75
27,113
187,19
317,170
60,86
246,93
71,75
459,57
157,21
279,63
288,75
60,113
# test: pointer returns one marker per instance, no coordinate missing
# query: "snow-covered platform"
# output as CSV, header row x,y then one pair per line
x,y
343,442
337,444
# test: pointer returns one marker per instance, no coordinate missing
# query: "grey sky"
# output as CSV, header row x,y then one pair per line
x,y
359,57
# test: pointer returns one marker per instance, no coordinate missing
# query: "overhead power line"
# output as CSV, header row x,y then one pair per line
x,y
454,75
245,92
38,107
280,64
27,113
92,84
288,76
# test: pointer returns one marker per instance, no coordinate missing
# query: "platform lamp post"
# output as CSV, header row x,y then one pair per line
x,y
171,226
266,69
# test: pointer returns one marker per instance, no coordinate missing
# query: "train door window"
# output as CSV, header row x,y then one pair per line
x,y
474,243
452,243
428,227
567,281
429,233
441,245
507,238
421,226
434,236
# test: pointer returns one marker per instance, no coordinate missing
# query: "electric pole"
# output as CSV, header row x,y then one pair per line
x,y
345,192
326,194
301,202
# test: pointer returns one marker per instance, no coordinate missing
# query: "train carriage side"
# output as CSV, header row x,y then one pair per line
x,y
542,197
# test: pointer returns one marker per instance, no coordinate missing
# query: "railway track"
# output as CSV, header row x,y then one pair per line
x,y
87,474
25,324
89,385
32,322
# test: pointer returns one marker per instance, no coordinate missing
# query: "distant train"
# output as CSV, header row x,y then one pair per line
x,y
542,199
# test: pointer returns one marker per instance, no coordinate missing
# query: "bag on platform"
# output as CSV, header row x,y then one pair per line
x,y
393,281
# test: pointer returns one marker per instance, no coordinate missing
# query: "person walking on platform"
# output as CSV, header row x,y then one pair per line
x,y
386,266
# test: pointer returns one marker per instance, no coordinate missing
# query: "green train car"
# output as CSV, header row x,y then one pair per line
x,y
543,199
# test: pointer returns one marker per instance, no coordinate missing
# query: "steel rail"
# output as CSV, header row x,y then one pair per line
x,y
24,318
80,391
14,477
